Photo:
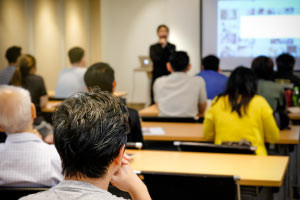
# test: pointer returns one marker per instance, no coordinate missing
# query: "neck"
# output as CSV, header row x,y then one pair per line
x,y
98,182
12,64
77,65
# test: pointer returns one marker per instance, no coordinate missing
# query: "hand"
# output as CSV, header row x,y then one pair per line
x,y
126,159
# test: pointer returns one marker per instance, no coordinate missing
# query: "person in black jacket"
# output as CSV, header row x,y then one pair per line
x,y
103,76
160,54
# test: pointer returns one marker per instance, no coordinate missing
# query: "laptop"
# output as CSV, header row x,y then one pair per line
x,y
145,61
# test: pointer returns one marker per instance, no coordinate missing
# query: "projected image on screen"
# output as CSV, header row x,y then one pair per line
x,y
248,28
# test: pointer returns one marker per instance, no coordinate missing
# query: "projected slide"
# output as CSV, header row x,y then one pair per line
x,y
248,28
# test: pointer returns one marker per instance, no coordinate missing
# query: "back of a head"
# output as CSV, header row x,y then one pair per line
x,y
262,67
76,54
100,75
15,116
26,63
211,62
13,53
241,87
285,62
179,61
90,128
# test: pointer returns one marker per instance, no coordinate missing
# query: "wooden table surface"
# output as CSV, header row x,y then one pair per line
x,y
53,104
253,170
194,132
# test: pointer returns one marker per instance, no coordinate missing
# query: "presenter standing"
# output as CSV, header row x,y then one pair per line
x,y
160,54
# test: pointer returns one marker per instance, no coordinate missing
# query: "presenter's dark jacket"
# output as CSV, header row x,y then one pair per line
x,y
135,134
160,56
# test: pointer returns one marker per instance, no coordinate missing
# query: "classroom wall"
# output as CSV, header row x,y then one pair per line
x,y
48,29
129,27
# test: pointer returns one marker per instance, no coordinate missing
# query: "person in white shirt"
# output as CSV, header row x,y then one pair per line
x,y
178,94
26,160
70,80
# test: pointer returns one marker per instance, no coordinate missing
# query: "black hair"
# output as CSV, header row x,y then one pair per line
x,y
262,67
26,64
90,128
162,26
76,54
285,63
241,88
179,61
211,62
100,75
13,53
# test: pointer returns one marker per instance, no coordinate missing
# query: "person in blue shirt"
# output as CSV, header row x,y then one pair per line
x,y
215,82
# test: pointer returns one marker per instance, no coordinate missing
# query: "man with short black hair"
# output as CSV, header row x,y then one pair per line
x,y
70,80
285,66
215,82
90,132
8,74
103,76
178,94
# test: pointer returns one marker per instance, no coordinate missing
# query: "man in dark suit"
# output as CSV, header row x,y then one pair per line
x,y
103,76
160,54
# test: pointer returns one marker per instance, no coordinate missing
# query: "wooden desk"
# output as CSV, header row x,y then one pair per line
x,y
294,113
194,132
253,170
53,104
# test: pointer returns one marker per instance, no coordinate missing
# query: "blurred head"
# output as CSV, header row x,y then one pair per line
x,y
241,87
100,75
163,31
262,67
90,132
18,113
27,65
12,54
76,56
285,62
211,62
179,62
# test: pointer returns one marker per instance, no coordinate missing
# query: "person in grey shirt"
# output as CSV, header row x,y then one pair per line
x,y
90,133
70,80
9,73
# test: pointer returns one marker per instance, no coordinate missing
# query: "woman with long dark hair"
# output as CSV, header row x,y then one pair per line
x,y
240,114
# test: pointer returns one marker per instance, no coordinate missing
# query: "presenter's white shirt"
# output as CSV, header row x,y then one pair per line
x,y
178,94
70,81
27,161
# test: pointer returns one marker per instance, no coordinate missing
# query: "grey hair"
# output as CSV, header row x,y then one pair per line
x,y
15,109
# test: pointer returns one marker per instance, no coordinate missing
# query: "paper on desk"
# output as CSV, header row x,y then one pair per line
x,y
153,131
294,110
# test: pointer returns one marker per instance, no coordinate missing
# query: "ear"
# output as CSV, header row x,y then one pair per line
x,y
87,89
202,67
33,111
169,67
219,70
118,159
114,85
188,68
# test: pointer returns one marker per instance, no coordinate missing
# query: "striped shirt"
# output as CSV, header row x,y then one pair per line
x,y
27,161
6,74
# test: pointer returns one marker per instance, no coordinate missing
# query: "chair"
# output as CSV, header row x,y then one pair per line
x,y
12,193
173,119
186,186
134,145
209,147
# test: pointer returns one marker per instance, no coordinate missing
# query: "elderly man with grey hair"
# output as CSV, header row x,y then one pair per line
x,y
26,160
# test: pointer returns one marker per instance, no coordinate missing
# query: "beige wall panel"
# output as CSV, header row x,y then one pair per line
x,y
95,31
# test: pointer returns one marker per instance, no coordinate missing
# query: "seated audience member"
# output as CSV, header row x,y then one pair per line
x,y
262,67
26,161
103,76
215,82
36,86
240,114
70,80
90,135
285,66
178,94
10,75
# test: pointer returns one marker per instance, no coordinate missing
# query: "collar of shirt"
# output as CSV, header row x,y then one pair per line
x,y
80,185
22,137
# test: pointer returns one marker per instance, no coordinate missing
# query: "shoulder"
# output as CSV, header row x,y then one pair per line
x,y
197,79
37,196
259,100
154,45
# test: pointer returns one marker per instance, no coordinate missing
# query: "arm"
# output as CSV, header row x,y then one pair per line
x,y
125,179
202,96
43,93
202,107
43,101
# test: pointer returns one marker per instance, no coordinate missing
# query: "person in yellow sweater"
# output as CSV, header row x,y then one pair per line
x,y
239,113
